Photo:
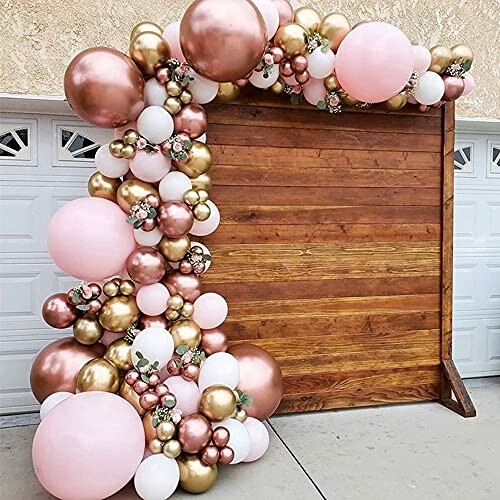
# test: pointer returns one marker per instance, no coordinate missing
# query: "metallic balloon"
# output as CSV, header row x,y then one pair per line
x,y
119,353
174,249
149,51
334,27
149,430
145,26
194,432
223,40
214,340
199,160
56,366
241,415
146,266
127,287
331,83
260,376
220,437
217,403
174,219
285,11
185,332
192,120
203,181
104,87
173,105
101,186
210,455
87,329
149,321
441,58
226,455
188,286
155,446
195,475
119,313
462,54
291,38
397,102
453,87
128,393
172,448
227,92
58,312
98,375
307,17
165,430
132,191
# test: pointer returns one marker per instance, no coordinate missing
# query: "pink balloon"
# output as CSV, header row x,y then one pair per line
x,y
374,62
259,439
210,310
171,35
290,80
285,11
469,84
152,299
118,132
109,337
186,392
412,100
89,239
421,59
314,90
88,447
203,228
150,167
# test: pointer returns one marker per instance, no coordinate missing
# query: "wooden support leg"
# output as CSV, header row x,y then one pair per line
x,y
463,404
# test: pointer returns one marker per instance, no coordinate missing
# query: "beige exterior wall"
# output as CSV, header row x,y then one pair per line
x,y
39,37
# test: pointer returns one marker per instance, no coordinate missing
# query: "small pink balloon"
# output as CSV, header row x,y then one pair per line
x,y
118,132
186,392
469,84
290,80
314,91
109,337
412,100
203,228
152,299
285,11
421,59
259,439
89,239
171,35
210,310
94,435
150,167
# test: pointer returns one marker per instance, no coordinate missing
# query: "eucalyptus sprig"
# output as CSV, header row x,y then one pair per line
x,y
244,399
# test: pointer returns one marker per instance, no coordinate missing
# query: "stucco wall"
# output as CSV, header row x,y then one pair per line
x,y
39,37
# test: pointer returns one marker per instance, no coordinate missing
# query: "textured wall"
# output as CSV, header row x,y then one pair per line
x,y
39,37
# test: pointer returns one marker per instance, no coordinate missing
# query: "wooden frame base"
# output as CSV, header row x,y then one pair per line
x,y
454,385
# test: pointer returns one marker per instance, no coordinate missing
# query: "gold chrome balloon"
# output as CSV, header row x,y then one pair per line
x,y
195,475
101,186
172,448
203,181
308,18
127,287
111,288
132,191
441,58
174,89
128,393
119,313
173,105
397,102
199,160
241,415
130,136
291,39
149,51
463,55
331,83
187,310
186,97
145,26
227,92
115,148
149,430
155,446
191,197
165,430
98,375
334,27
201,211
217,403
346,98
87,329
277,87
185,332
119,353
174,249
128,151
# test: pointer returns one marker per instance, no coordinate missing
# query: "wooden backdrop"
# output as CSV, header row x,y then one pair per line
x,y
330,250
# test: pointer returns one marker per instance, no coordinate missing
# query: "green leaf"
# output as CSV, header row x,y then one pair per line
x,y
321,105
155,422
139,354
325,49
207,258
144,378
130,220
170,404
83,307
246,400
152,213
182,349
240,393
188,144
138,224
294,99
142,363
155,364
467,65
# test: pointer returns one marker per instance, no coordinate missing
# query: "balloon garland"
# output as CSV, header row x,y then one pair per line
x,y
160,394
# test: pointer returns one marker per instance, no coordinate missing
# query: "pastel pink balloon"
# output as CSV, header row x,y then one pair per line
x,y
421,59
88,447
186,392
314,91
171,35
469,84
374,62
109,337
89,239
152,299
412,100
118,132
203,228
150,167
259,439
290,80
210,310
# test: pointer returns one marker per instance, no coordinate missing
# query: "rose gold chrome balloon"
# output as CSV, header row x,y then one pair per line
x,y
194,433
220,437
146,266
149,321
214,340
104,87
188,286
58,312
453,87
174,219
192,120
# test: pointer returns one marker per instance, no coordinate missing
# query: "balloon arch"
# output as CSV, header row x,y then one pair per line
x,y
160,394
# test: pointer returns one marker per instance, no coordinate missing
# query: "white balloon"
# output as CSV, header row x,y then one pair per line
x,y
108,165
206,251
205,227
220,368
202,138
156,477
270,14
202,89
430,88
155,93
155,344
155,124
259,439
173,186
239,440
257,77
320,64
148,238
52,401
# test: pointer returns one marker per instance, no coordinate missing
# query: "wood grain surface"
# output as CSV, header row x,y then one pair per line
x,y
330,251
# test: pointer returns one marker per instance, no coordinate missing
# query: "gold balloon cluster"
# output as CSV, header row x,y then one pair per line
x,y
195,475
147,47
197,200
120,312
186,332
199,160
217,403
177,97
177,307
442,57
126,146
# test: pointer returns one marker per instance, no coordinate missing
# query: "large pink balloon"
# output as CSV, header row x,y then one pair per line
x,y
88,447
172,36
314,90
374,62
210,310
152,299
89,239
186,392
